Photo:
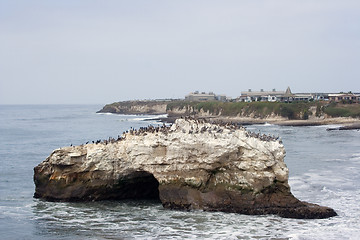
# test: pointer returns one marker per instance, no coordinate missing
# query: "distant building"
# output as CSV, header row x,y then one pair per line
x,y
321,96
203,97
275,96
339,97
221,98
267,96
288,96
303,97
197,96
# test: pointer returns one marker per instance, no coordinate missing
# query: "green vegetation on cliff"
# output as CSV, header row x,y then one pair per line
x,y
342,110
296,110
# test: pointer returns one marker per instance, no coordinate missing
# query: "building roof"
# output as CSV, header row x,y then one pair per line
x,y
288,92
262,93
201,94
341,94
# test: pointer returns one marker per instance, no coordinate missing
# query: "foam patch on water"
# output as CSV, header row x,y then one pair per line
x,y
149,117
328,126
106,113
355,156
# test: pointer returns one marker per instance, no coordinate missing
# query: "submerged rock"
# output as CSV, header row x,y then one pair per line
x,y
191,165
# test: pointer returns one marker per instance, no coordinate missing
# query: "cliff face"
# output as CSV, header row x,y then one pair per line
x,y
317,112
190,165
136,107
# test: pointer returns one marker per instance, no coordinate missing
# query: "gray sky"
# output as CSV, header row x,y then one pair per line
x,y
87,51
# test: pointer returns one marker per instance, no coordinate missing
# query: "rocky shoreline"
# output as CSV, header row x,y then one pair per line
x,y
355,126
193,164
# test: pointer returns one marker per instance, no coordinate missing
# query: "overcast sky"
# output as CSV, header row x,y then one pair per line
x,y
87,51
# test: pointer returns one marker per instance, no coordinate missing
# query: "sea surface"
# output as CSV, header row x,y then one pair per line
x,y
324,169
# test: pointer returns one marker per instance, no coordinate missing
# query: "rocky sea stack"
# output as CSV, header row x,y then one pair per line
x,y
191,165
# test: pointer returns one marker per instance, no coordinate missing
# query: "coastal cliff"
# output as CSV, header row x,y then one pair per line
x,y
191,165
295,114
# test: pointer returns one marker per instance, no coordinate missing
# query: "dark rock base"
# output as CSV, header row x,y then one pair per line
x,y
89,186
281,203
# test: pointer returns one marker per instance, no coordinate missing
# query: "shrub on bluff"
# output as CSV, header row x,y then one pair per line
x,y
191,165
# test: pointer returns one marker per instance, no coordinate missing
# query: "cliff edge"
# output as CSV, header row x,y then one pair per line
x,y
136,107
191,165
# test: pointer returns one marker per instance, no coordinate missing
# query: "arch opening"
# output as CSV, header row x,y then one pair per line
x,y
138,185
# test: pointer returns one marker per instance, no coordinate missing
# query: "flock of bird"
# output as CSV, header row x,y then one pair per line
x,y
216,127
263,137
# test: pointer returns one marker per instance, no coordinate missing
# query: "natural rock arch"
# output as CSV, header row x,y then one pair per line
x,y
191,165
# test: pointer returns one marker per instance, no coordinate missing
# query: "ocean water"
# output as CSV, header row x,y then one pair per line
x,y
324,169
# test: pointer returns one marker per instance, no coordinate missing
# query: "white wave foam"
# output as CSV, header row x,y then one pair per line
x,y
142,119
328,126
355,156
149,117
106,113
